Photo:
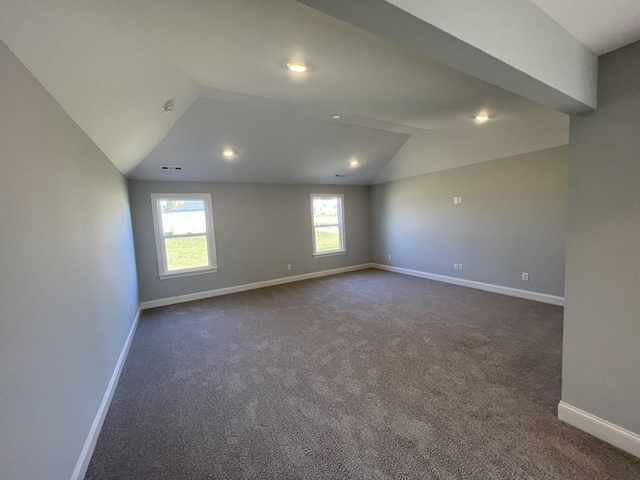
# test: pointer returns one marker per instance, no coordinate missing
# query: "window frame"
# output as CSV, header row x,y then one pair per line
x,y
161,252
341,225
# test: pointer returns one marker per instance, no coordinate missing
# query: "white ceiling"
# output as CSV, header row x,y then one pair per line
x,y
271,145
601,25
112,64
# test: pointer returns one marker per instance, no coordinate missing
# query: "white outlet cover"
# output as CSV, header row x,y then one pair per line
x,y
455,200
525,276
459,199
455,266
460,266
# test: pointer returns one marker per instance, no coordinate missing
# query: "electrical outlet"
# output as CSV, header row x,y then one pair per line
x,y
459,199
525,277
288,266
455,200
389,257
455,266
460,267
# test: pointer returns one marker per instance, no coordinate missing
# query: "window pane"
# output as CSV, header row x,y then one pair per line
x,y
186,252
183,216
325,211
327,238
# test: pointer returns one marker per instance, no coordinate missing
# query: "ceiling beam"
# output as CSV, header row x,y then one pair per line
x,y
511,44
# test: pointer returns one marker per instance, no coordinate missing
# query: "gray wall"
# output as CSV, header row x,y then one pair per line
x,y
67,279
601,365
259,229
512,220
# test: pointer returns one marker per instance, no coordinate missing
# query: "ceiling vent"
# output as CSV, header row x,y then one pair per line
x,y
340,176
172,168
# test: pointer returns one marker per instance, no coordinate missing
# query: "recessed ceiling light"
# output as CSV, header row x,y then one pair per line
x,y
335,116
482,118
354,162
297,67
228,153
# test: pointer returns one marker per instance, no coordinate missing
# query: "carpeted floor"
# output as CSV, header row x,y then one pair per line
x,y
367,375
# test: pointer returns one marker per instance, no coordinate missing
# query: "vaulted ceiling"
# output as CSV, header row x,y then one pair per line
x,y
112,65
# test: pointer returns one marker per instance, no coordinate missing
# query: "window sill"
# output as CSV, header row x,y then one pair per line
x,y
329,254
166,276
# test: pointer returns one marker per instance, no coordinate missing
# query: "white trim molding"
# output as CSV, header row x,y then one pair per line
x,y
513,292
342,248
90,443
161,238
599,428
250,286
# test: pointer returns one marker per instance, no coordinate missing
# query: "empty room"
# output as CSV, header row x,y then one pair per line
x,y
319,239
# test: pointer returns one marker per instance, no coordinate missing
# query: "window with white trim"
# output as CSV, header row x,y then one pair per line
x,y
327,219
185,241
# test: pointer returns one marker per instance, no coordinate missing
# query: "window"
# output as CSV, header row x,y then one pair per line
x,y
185,241
327,216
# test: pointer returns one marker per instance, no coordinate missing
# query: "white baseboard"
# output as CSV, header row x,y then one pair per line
x,y
599,428
514,292
249,286
87,450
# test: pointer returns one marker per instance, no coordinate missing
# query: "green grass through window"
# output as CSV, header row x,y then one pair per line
x,y
186,252
327,239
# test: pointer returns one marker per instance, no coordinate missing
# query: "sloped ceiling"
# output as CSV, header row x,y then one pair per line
x,y
112,64
267,144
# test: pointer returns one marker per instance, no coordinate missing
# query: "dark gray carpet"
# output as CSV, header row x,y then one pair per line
x,y
368,375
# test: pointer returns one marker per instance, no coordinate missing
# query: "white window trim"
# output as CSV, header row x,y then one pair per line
x,y
163,273
341,225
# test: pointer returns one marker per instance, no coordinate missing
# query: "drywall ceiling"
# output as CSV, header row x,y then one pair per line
x,y
510,44
112,64
285,146
602,26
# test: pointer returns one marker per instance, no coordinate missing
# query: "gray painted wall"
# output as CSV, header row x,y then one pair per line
x,y
512,220
67,279
601,365
259,228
